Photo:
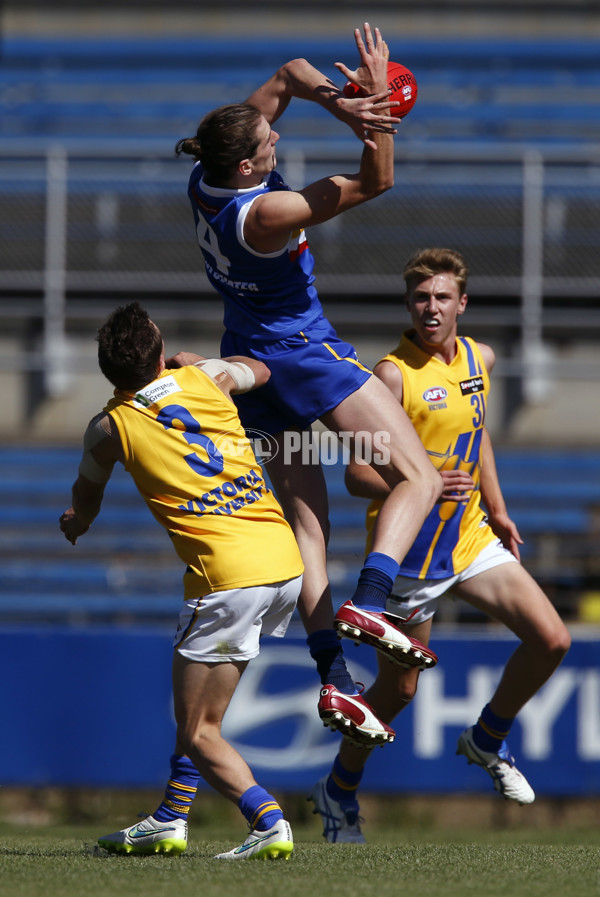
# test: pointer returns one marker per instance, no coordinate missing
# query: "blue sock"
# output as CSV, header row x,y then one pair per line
x,y
325,648
180,791
490,731
342,784
375,582
260,809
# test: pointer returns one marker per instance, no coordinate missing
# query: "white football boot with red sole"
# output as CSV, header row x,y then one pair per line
x,y
353,717
369,627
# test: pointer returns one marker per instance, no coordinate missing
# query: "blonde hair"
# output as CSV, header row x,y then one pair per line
x,y
428,262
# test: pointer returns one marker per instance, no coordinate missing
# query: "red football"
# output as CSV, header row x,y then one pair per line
x,y
403,85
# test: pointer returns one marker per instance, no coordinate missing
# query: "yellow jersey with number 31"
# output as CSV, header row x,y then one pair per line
x,y
190,459
446,404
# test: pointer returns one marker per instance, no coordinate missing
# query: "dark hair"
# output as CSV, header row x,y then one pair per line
x,y
428,262
224,137
129,348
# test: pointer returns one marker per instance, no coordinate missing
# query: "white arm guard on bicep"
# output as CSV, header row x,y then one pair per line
x,y
240,373
98,429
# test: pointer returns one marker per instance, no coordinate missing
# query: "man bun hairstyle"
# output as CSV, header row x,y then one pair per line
x,y
224,137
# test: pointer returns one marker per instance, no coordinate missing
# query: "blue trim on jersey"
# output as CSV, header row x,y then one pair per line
x,y
462,445
415,557
467,448
474,366
475,452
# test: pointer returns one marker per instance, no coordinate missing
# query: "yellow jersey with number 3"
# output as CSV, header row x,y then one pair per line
x,y
192,463
446,404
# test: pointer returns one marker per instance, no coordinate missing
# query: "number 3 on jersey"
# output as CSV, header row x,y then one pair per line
x,y
478,403
207,240
179,419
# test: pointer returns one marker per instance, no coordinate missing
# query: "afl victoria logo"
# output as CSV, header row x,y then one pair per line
x,y
435,394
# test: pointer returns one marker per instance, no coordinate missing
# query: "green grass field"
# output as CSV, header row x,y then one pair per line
x,y
64,861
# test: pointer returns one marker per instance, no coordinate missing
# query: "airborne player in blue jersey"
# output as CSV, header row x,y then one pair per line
x,y
250,228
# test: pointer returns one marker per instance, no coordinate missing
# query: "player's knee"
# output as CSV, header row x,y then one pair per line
x,y
410,691
555,644
406,690
559,643
437,484
197,739
430,484
424,479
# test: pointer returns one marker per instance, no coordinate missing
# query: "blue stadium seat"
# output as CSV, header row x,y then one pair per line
x,y
478,89
125,566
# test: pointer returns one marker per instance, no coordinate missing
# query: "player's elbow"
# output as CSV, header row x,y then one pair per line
x,y
382,185
293,70
386,184
261,372
351,482
295,64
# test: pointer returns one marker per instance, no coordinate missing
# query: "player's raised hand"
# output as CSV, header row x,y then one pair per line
x,y
370,109
371,74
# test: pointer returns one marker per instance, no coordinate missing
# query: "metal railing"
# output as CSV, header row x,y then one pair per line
x,y
117,222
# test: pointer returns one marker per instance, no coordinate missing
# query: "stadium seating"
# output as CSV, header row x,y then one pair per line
x,y
472,89
124,569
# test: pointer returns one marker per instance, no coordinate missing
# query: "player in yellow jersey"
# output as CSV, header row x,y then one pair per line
x,y
178,433
442,381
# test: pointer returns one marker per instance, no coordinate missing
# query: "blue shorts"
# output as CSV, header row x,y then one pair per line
x,y
311,373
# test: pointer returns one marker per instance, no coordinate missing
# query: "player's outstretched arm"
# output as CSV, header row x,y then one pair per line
x,y
233,375
298,78
101,449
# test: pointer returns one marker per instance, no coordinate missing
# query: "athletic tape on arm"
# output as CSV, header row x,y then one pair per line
x,y
89,467
241,374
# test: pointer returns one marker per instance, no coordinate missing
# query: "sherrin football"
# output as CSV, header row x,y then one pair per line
x,y
403,85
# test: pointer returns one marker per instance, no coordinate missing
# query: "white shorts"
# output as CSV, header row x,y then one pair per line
x,y
415,600
225,626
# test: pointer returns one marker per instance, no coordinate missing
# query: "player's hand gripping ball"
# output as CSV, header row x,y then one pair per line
x,y
402,84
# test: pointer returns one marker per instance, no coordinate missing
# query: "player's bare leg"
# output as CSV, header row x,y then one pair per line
x,y
335,795
510,595
202,692
415,483
302,492
415,486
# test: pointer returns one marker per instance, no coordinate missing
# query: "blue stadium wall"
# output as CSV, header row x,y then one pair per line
x,y
91,706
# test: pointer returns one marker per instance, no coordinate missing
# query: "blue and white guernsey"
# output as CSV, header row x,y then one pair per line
x,y
266,295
